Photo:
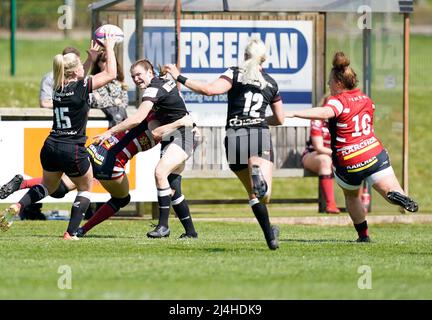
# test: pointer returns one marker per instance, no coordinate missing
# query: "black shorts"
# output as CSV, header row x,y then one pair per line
x,y
372,170
241,144
183,137
104,163
72,159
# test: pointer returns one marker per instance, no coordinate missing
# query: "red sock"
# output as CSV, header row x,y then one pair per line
x,y
104,213
326,185
28,183
364,233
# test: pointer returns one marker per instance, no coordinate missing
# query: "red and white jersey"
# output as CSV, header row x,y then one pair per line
x,y
352,131
319,128
133,141
114,153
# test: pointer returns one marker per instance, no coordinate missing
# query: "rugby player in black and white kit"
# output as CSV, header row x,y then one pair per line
x,y
162,96
64,149
247,142
109,162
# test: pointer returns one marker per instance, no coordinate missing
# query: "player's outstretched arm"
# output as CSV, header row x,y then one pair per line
x,y
313,113
218,86
110,73
162,131
92,54
129,123
278,116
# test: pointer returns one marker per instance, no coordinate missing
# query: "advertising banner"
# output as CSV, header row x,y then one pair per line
x,y
21,142
209,47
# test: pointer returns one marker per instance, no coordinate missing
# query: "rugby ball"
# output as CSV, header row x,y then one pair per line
x,y
108,29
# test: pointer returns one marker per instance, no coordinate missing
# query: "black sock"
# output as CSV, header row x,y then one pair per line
x,y
362,229
261,213
35,194
61,191
79,207
181,208
164,200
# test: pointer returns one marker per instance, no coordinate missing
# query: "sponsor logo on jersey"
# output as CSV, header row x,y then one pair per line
x,y
150,92
64,133
98,158
236,122
359,148
109,143
63,94
169,86
362,165
358,98
144,142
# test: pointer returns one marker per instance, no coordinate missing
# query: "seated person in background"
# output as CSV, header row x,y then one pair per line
x,y
112,98
47,82
317,158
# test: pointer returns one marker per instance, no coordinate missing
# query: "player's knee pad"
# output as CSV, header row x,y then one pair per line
x,y
118,203
175,184
61,191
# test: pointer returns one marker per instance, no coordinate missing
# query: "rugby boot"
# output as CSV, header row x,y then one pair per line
x,y
273,244
185,236
401,200
159,232
7,216
7,189
80,232
363,239
259,185
70,237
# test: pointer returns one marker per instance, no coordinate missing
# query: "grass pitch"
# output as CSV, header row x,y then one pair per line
x,y
228,261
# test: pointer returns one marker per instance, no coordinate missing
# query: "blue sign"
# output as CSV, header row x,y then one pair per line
x,y
213,50
209,47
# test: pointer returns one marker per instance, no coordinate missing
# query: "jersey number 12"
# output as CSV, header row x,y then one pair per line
x,y
63,122
250,109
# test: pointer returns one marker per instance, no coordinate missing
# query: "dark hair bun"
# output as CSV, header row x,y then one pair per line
x,y
340,61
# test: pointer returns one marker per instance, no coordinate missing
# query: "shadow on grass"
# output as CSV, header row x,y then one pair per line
x,y
317,240
216,250
106,236
14,236
59,237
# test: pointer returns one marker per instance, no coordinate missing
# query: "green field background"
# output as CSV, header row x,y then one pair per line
x,y
228,261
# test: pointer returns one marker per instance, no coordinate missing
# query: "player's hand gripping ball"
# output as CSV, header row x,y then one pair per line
x,y
108,30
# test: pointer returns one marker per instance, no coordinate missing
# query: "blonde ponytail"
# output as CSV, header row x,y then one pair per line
x,y
63,68
255,55
58,71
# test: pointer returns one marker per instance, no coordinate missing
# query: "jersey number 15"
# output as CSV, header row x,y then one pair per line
x,y
63,122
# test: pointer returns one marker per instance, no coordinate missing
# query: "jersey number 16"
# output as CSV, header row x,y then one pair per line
x,y
365,123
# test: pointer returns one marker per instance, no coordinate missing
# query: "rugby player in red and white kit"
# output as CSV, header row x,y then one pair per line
x,y
357,153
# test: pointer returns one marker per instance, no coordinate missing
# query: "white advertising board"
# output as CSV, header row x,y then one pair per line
x,y
20,145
